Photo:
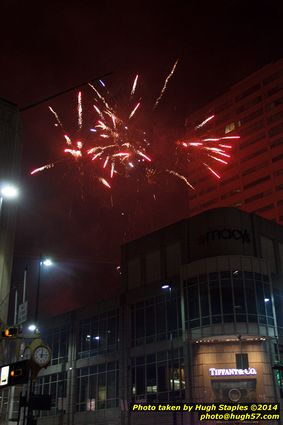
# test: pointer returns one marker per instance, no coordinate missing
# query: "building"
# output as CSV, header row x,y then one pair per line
x,y
10,150
200,318
253,178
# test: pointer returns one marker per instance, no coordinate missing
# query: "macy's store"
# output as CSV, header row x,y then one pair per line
x,y
229,310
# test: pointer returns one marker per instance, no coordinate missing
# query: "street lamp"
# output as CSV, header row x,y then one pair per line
x,y
47,262
7,191
167,287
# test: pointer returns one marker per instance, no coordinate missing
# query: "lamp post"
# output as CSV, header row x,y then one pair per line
x,y
42,262
167,287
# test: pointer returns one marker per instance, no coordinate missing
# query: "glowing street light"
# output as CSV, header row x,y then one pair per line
x,y
32,327
9,191
47,262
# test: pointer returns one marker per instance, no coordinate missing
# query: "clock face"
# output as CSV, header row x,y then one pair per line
x,y
41,355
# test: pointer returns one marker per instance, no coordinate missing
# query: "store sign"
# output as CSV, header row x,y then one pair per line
x,y
226,234
232,372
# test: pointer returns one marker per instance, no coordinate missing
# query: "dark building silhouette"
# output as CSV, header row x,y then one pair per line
x,y
10,150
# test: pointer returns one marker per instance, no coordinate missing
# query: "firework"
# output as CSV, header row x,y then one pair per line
x,y
165,84
125,145
200,150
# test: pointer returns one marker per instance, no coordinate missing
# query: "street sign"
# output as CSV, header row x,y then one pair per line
x,y
22,312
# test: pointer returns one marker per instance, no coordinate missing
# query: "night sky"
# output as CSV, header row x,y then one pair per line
x,y
47,47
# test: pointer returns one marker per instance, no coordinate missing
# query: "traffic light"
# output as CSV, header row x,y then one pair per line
x,y
10,332
15,373
278,373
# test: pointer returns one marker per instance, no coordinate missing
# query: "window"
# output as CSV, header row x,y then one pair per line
x,y
236,297
275,103
277,158
255,168
274,90
278,172
98,387
252,128
263,209
277,142
256,182
247,143
229,180
249,104
253,154
251,117
248,92
275,117
99,334
231,193
155,318
58,341
275,130
230,127
258,196
242,360
156,376
208,203
56,386
267,252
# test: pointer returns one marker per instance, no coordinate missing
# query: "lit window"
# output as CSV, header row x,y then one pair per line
x,y
229,127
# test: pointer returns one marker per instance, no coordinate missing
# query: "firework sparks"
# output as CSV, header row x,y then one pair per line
x,y
44,167
180,176
105,182
165,84
80,110
201,149
134,85
134,110
204,122
56,117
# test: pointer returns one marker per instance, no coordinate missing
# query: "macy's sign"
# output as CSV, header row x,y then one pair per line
x,y
225,234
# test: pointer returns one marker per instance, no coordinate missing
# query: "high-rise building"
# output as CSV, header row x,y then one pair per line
x,y
10,149
253,178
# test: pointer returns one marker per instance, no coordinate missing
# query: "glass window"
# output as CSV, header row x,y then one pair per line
x,y
227,300
242,360
267,252
155,379
56,386
204,302
215,298
58,341
230,127
239,298
193,301
97,388
99,334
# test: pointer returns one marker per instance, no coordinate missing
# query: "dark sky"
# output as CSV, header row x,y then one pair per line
x,y
47,47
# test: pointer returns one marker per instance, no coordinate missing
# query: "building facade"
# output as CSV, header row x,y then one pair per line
x,y
10,150
253,178
200,319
